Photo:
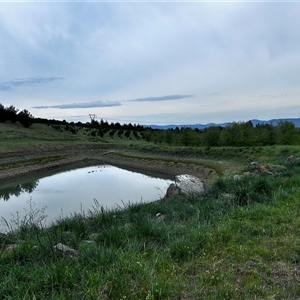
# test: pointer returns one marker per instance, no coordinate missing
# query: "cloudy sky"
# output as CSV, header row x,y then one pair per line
x,y
151,62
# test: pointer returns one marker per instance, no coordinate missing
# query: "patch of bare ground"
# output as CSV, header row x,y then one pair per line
x,y
22,170
9,170
169,168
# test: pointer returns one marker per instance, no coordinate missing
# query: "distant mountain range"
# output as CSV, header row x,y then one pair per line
x,y
203,126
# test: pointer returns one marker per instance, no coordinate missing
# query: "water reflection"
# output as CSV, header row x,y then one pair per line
x,y
18,189
74,191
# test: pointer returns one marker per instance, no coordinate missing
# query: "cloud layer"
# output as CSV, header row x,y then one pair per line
x,y
211,61
81,105
162,98
16,83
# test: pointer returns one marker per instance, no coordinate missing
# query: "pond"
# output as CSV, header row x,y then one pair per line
x,y
78,190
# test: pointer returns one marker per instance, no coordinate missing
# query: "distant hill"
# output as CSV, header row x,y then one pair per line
x,y
296,121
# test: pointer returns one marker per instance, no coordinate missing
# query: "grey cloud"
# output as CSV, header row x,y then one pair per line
x,y
272,96
82,105
162,98
11,85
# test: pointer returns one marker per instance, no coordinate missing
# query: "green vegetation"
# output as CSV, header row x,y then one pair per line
x,y
235,134
13,115
239,240
242,134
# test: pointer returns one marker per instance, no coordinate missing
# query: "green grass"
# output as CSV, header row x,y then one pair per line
x,y
41,137
30,162
240,240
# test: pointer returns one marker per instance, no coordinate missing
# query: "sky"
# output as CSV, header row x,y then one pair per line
x,y
151,62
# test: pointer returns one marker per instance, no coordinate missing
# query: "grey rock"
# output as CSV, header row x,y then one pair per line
x,y
186,185
190,184
237,177
65,250
160,217
89,242
253,165
172,190
291,159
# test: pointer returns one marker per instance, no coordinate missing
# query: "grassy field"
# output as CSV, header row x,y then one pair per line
x,y
239,240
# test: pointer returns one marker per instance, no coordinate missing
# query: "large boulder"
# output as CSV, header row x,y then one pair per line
x,y
186,185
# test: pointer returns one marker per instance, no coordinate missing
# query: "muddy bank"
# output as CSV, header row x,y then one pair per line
x,y
165,168
22,171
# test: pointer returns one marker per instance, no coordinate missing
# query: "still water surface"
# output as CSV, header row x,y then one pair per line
x,y
75,190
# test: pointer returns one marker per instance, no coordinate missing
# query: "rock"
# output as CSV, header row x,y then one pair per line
x,y
65,250
89,242
246,174
186,185
172,190
227,196
253,165
160,217
237,177
190,184
291,159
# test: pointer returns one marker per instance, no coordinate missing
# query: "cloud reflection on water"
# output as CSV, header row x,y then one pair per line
x,y
75,190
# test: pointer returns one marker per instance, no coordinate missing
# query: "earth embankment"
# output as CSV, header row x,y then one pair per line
x,y
20,164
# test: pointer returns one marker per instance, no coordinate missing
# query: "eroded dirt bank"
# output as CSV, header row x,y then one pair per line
x,y
168,167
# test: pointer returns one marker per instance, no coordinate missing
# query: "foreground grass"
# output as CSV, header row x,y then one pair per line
x,y
240,240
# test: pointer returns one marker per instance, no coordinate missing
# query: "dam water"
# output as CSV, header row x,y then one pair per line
x,y
61,194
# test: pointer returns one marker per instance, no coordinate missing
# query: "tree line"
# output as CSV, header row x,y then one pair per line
x,y
236,134
12,114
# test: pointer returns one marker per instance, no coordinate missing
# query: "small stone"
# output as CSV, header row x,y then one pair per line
x,y
65,250
88,242
246,173
160,217
237,177
227,196
291,159
253,165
